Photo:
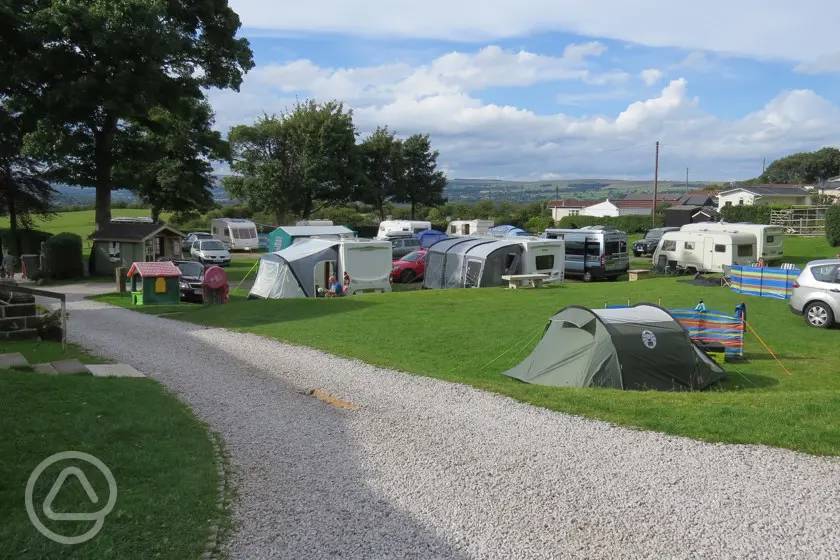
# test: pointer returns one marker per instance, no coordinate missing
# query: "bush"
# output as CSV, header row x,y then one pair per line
x,y
627,224
758,214
832,225
30,240
64,256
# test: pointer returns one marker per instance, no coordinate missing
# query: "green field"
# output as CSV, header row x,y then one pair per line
x,y
80,222
471,336
159,453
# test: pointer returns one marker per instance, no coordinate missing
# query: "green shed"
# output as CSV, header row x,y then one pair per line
x,y
123,241
154,283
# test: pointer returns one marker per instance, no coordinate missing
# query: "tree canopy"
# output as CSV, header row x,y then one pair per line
x,y
422,183
803,167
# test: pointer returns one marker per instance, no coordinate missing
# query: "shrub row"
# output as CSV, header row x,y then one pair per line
x,y
63,256
30,240
758,214
628,224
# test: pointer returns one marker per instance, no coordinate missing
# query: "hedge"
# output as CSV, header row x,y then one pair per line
x,y
30,240
628,224
64,256
832,225
758,214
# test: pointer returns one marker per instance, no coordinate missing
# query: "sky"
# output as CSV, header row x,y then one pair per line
x,y
554,89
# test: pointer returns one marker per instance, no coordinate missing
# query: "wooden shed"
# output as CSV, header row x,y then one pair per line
x,y
154,283
120,243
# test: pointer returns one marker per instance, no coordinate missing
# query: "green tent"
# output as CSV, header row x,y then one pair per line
x,y
641,347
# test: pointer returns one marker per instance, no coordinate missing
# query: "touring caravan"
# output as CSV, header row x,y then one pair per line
x,y
769,240
304,267
593,253
480,262
704,251
401,228
469,227
236,233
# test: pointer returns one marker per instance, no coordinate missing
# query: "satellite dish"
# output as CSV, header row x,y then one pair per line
x,y
215,278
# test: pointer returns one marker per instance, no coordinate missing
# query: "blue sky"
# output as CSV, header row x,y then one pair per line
x,y
562,88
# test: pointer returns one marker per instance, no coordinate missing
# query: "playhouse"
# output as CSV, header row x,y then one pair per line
x,y
154,283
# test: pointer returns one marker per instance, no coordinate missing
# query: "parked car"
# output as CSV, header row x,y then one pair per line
x,y
210,251
192,237
648,244
401,246
816,293
410,267
192,276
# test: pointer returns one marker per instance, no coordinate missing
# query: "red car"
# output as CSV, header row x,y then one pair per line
x,y
410,267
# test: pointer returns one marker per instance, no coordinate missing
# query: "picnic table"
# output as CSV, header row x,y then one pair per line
x,y
519,280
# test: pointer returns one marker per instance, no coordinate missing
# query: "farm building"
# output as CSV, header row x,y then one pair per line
x,y
121,243
777,195
285,236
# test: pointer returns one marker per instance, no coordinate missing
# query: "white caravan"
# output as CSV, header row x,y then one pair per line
x,y
469,227
544,256
705,251
401,228
236,233
769,240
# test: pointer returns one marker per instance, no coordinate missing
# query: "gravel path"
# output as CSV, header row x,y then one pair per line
x,y
428,469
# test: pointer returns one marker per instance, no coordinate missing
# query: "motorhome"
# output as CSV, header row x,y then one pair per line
x,y
237,233
592,254
469,227
704,251
769,240
480,262
304,269
401,228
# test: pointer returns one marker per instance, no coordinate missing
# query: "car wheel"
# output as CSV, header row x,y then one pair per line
x,y
407,276
637,254
587,277
819,314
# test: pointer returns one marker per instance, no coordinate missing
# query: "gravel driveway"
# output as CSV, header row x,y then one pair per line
x,y
429,469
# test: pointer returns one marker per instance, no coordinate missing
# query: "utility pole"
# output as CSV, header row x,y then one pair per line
x,y
763,164
686,178
655,188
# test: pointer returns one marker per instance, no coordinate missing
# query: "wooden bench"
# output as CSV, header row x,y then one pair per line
x,y
519,280
637,273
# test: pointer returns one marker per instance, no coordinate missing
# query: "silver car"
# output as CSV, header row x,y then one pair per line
x,y
816,293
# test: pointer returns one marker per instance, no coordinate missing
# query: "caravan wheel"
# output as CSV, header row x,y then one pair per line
x,y
587,276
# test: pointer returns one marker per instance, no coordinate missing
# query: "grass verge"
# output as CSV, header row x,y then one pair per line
x,y
159,453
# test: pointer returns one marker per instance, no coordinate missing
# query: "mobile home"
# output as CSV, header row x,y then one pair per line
x,y
479,262
401,228
305,267
593,253
769,240
705,251
469,227
237,233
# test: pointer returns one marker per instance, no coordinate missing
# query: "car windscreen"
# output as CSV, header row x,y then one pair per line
x,y
212,245
192,269
653,234
203,236
413,256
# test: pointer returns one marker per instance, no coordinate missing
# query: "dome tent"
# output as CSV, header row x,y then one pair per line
x,y
429,237
641,347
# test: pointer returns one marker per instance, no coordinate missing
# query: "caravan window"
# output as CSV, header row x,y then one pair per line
x,y
689,245
466,229
669,245
453,229
720,248
745,250
545,262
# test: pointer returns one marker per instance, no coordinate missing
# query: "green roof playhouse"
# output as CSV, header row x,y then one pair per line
x,y
154,283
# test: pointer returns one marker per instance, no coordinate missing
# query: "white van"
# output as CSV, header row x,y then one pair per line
x,y
705,251
469,227
401,228
235,233
769,240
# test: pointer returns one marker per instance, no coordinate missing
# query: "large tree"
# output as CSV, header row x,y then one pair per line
x,y
803,167
166,158
90,67
296,163
421,183
380,162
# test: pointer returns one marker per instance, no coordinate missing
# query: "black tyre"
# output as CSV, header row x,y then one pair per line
x,y
819,315
587,276
407,276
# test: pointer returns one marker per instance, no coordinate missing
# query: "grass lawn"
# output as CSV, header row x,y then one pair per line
x,y
158,452
471,336
80,222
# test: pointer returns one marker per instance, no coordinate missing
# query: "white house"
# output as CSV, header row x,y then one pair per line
x,y
781,195
604,209
567,207
608,208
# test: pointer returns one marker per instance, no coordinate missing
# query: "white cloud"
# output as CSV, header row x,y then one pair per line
x,y
823,64
651,76
478,138
802,31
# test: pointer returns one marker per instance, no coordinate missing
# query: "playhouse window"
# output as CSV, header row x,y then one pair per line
x,y
114,249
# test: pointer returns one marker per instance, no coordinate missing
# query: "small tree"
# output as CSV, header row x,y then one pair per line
x,y
421,183
380,163
832,225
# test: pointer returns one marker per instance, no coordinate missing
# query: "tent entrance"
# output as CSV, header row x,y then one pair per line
x,y
323,271
472,273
